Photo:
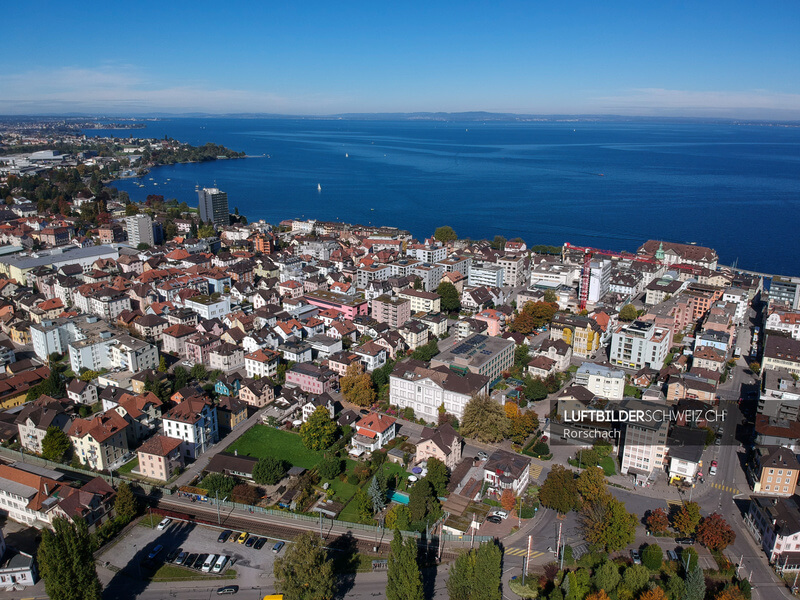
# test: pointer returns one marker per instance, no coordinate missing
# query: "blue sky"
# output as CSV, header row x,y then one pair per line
x,y
734,58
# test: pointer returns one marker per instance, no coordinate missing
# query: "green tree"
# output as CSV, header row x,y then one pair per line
x,y
451,300
330,466
608,525
687,518
653,557
162,364
695,584
476,574
676,588
363,506
55,444
636,577
244,494
559,490
499,242
356,386
181,378
305,572
484,419
319,432
269,470
445,234
404,577
398,517
217,483
755,367
66,563
376,495
522,356
535,388
628,313
198,372
423,504
427,351
689,558
125,505
606,576
438,475
550,296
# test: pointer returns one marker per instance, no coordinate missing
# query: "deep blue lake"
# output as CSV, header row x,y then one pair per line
x,y
607,185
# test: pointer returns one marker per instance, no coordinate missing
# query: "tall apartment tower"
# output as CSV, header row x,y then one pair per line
x,y
213,205
140,230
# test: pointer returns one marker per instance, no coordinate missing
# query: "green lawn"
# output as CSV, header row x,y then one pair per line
x,y
129,466
608,466
176,573
261,441
349,513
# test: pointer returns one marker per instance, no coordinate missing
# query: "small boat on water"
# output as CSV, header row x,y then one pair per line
x,y
346,155
319,188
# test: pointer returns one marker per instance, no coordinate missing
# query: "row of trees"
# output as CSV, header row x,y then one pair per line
x,y
489,422
712,531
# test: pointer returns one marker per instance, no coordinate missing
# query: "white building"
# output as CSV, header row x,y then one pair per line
x,y
739,297
485,274
262,363
514,270
775,523
644,443
599,280
601,381
640,344
140,230
194,422
209,307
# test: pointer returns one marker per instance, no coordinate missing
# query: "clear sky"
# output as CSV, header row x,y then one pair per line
x,y
736,58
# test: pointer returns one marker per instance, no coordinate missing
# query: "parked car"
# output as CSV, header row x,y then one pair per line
x,y
209,562
482,455
543,438
181,558
636,557
250,541
155,552
494,519
200,561
174,554
672,555
242,537
223,537
163,524
228,589
503,514
190,560
686,541
713,469
260,543
220,564
277,547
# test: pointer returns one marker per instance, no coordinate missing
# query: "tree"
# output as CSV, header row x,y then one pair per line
x,y
636,577
125,505
591,484
689,558
356,386
687,518
438,475
398,517
676,588
550,296
269,470
476,574
535,389
423,504
66,563
404,578
55,444
522,425
305,572
653,557
426,351
542,312
445,234
715,533
198,372
330,466
319,432
695,584
363,506
657,521
654,593
606,576
217,483
608,524
755,367
508,500
628,313
498,243
376,495
484,419
522,356
244,494
162,364
559,490
730,592
181,378
451,300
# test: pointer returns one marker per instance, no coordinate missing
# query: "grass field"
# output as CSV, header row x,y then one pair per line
x,y
261,441
176,573
608,466
129,466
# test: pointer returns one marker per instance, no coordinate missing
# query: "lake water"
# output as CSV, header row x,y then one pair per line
x,y
606,185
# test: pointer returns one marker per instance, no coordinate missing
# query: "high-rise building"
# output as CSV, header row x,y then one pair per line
x,y
213,205
140,230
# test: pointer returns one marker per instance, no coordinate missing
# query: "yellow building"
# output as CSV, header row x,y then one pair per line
x,y
581,333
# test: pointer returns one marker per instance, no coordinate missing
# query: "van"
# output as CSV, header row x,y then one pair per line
x,y
209,562
220,564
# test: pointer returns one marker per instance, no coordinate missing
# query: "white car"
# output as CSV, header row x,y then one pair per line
x,y
503,514
164,524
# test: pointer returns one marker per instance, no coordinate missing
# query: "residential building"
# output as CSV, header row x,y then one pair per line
x,y
349,306
262,363
232,465
194,422
422,301
393,311
425,389
209,307
671,253
781,353
685,452
312,379
775,523
640,344
478,353
373,432
323,400
82,392
34,419
101,442
442,443
231,412
140,230
556,350
581,333
213,205
507,471
257,393
694,387
134,355
174,338
599,280
644,442
27,497
601,380
514,269
787,322
780,397
375,272
658,290
159,457
226,357
775,471
494,319
371,355
708,357
785,291
17,569
485,274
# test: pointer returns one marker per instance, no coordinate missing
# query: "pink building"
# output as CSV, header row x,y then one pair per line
x,y
494,319
312,379
349,306
199,346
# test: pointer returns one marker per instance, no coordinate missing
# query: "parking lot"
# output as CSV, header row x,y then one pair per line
x,y
253,567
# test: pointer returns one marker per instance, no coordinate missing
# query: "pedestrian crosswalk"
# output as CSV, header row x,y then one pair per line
x,y
725,488
523,552
676,503
535,471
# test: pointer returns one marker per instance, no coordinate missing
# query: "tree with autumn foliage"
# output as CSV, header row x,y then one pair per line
x,y
715,533
687,518
731,592
356,386
512,409
657,521
591,485
654,593
508,500
598,595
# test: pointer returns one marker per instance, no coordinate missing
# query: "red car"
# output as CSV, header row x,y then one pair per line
x,y
543,438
